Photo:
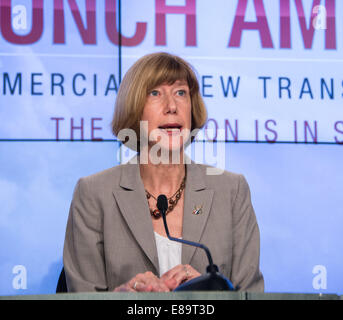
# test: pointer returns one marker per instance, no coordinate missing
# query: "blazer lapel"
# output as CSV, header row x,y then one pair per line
x,y
196,196
133,205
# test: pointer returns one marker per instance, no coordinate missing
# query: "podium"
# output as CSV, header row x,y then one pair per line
x,y
174,296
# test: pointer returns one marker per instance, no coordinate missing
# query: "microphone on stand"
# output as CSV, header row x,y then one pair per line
x,y
212,280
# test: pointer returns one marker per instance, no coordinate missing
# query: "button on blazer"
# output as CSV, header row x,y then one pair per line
x,y
110,238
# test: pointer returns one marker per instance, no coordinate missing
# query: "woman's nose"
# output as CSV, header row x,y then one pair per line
x,y
170,104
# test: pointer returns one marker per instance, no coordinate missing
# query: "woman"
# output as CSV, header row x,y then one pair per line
x,y
115,239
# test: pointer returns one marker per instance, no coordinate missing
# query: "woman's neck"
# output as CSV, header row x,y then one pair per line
x,y
162,178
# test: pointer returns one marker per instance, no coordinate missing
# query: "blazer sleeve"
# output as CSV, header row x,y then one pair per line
x,y
246,275
83,255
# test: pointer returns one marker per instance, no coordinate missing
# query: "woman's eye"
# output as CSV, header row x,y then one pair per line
x,y
181,92
154,93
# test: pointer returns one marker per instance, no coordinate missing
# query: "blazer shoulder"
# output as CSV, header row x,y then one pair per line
x,y
108,178
225,182
215,177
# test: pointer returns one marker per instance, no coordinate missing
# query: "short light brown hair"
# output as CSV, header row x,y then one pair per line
x,y
147,73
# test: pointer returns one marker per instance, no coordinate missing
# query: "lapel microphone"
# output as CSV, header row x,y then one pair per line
x,y
212,280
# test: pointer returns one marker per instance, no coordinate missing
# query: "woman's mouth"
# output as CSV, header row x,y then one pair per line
x,y
171,128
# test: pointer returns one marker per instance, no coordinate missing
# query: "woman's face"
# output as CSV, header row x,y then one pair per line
x,y
168,113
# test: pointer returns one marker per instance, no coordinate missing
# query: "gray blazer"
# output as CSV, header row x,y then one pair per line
x,y
109,236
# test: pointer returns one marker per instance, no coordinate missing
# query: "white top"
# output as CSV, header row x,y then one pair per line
x,y
168,252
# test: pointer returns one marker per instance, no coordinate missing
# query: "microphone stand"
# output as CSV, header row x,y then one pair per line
x,y
212,280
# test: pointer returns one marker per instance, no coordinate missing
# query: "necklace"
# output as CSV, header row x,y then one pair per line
x,y
172,201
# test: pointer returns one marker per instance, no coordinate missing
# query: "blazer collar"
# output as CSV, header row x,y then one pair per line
x,y
130,175
132,202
